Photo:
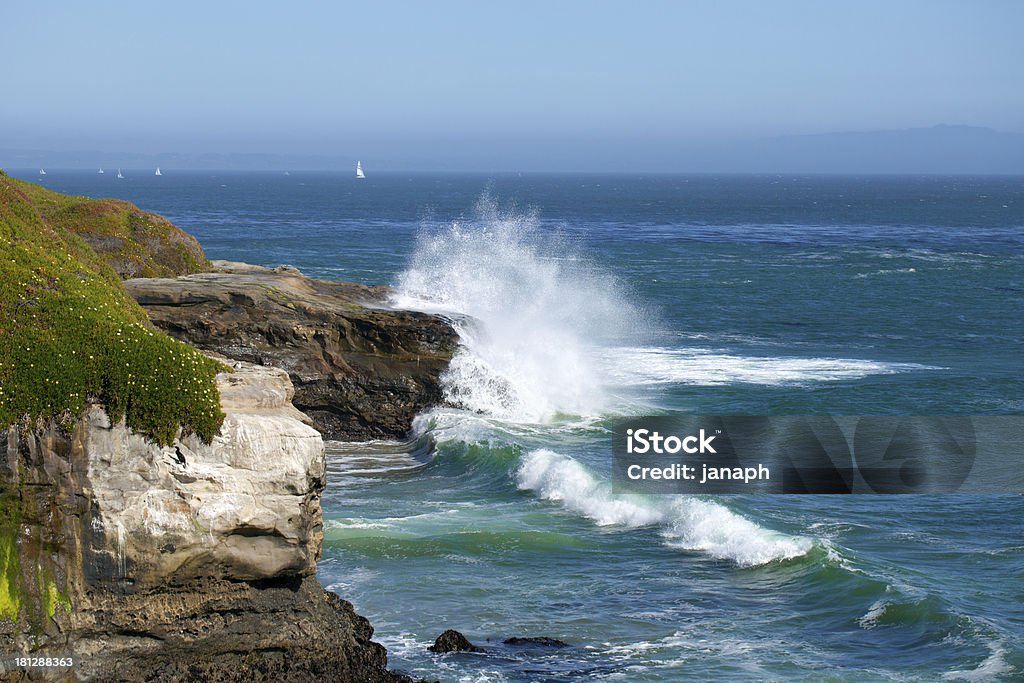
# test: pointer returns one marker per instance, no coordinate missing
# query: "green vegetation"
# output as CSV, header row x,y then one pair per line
x,y
135,243
10,574
69,334
10,600
28,589
51,596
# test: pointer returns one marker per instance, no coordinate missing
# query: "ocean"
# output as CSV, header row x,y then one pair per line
x,y
583,298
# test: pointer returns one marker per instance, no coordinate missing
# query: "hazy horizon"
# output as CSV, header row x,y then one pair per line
x,y
457,85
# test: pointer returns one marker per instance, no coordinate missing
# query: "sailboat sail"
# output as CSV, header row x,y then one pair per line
x,y
100,171
359,170
158,171
119,173
42,172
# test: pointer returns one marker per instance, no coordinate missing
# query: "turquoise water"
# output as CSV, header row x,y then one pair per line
x,y
584,298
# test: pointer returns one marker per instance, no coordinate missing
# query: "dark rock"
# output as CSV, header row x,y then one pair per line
x,y
542,641
123,603
236,631
360,370
453,641
403,677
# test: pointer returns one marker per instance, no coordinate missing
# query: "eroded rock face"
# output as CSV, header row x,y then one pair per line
x,y
360,371
246,507
194,562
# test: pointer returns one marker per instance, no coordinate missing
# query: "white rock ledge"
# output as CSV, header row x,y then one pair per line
x,y
245,507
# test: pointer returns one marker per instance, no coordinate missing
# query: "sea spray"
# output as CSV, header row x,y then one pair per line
x,y
532,313
545,336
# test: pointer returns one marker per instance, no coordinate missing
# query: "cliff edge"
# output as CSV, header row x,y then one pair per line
x,y
160,517
361,371
184,562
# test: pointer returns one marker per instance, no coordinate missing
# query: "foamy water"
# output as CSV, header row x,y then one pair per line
x,y
687,523
707,367
545,341
531,320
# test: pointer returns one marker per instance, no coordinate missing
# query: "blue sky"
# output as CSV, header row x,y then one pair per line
x,y
405,81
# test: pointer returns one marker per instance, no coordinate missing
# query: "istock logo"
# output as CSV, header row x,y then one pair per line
x,y
641,441
708,454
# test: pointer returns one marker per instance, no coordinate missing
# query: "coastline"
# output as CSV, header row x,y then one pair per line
x,y
192,556
521,513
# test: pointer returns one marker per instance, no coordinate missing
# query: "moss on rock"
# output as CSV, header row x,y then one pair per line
x,y
10,565
69,334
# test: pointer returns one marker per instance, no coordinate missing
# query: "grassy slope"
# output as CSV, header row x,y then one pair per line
x,y
70,334
135,243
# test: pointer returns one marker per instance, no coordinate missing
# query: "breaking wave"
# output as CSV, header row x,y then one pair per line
x,y
686,523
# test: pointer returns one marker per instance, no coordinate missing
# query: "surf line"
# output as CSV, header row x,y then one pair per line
x,y
689,472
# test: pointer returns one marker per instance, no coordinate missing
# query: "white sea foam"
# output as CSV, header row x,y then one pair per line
x,y
992,668
870,618
530,313
718,531
707,368
891,271
686,523
557,477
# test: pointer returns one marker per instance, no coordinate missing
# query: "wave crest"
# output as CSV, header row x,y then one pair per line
x,y
687,523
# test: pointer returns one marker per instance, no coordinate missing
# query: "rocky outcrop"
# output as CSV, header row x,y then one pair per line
x,y
453,641
360,370
136,243
185,563
246,507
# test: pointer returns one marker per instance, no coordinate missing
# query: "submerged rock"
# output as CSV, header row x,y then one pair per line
x,y
542,641
453,641
144,565
360,370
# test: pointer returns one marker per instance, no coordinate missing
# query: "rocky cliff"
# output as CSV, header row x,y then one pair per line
x,y
360,370
189,562
69,334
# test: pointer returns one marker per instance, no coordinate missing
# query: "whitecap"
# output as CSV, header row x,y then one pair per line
x,y
560,478
991,668
686,523
696,366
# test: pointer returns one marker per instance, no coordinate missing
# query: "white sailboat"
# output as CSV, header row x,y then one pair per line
x,y
100,171
359,170
158,171
119,173
42,172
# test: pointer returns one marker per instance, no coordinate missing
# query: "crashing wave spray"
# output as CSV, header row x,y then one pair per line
x,y
543,335
531,313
